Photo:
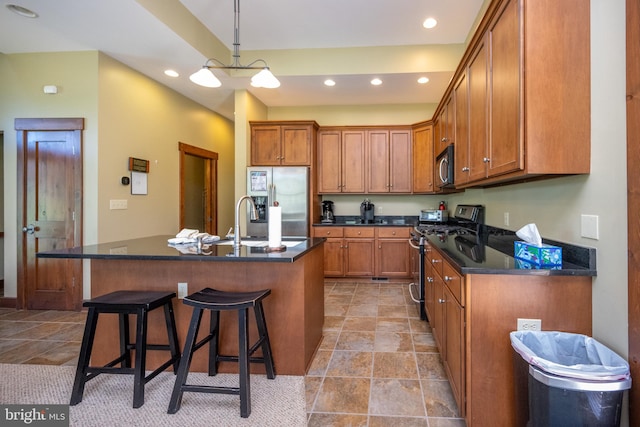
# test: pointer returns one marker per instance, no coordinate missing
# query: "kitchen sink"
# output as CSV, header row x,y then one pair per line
x,y
260,243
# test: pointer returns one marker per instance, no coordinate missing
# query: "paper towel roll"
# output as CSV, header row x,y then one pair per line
x,y
275,226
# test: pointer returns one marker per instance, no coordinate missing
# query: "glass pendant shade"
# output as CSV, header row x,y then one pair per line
x,y
204,77
265,79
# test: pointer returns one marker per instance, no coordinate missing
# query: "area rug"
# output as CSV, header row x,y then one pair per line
x,y
108,398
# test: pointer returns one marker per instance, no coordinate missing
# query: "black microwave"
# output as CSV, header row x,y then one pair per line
x,y
445,168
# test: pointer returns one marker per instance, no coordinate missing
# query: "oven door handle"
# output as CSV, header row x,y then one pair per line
x,y
411,285
412,245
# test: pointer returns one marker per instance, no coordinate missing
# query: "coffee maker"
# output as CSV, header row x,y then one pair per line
x,y
327,212
367,212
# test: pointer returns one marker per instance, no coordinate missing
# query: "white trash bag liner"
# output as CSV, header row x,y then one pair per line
x,y
569,355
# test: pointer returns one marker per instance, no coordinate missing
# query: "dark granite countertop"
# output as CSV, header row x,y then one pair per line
x,y
493,251
157,248
382,221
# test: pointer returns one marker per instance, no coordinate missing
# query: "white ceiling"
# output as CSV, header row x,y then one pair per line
x,y
153,35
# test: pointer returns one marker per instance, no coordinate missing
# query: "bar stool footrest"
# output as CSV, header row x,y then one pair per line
x,y
211,389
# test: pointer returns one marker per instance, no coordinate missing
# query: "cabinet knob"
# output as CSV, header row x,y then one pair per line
x,y
359,232
435,261
448,279
441,300
444,139
486,159
430,279
393,232
328,233
465,169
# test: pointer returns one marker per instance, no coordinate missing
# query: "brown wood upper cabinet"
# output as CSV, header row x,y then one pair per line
x,y
514,127
364,160
283,143
423,158
341,160
389,161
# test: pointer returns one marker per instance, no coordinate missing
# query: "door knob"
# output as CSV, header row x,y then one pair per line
x,y
29,229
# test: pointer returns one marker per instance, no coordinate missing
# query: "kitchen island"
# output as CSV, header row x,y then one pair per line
x,y
294,311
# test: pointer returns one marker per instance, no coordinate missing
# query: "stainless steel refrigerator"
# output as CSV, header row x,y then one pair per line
x,y
289,186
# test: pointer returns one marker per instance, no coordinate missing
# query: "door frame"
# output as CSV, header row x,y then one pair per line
x,y
22,126
211,185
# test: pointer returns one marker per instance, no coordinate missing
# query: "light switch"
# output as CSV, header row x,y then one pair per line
x,y
118,204
589,226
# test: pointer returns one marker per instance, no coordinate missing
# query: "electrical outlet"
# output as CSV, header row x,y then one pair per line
x,y
529,324
506,218
183,289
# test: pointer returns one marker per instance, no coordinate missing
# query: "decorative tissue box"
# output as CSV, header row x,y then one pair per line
x,y
545,256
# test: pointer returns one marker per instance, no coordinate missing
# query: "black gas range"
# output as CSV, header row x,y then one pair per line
x,y
462,231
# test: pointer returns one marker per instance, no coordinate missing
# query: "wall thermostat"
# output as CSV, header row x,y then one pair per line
x,y
125,180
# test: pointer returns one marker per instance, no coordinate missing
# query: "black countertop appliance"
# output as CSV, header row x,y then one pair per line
x,y
327,212
367,212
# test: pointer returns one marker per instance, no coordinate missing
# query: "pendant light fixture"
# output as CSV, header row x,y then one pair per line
x,y
264,78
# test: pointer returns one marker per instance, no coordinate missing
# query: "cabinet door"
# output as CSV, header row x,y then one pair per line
x,y
423,159
353,162
378,161
329,153
462,131
392,258
334,257
478,154
265,145
296,145
437,320
505,142
450,123
359,257
455,345
400,161
429,287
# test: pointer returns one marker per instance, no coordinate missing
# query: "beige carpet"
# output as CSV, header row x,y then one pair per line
x,y
108,398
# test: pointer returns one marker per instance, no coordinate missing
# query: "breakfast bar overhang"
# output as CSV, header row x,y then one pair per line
x,y
294,311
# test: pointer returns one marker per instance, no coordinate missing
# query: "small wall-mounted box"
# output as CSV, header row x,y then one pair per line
x,y
544,256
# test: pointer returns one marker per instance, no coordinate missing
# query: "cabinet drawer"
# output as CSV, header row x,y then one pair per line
x,y
436,261
391,232
328,232
454,282
359,232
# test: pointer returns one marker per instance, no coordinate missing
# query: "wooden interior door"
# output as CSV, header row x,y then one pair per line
x,y
49,212
198,192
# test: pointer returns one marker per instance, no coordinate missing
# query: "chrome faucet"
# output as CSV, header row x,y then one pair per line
x,y
254,215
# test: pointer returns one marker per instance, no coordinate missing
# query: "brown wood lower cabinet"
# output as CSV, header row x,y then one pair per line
x,y
363,251
471,317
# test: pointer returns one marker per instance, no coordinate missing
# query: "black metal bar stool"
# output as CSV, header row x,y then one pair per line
x,y
125,303
217,301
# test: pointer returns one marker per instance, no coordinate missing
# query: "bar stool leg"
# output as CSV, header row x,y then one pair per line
x,y
266,344
84,357
170,321
125,339
139,370
243,361
214,344
185,361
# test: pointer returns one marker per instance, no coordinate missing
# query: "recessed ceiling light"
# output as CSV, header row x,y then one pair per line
x,y
423,80
429,23
22,11
171,73
376,82
329,82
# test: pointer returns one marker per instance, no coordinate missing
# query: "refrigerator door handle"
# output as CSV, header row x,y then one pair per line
x,y
273,198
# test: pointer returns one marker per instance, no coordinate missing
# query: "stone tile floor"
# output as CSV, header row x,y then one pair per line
x,y
377,365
